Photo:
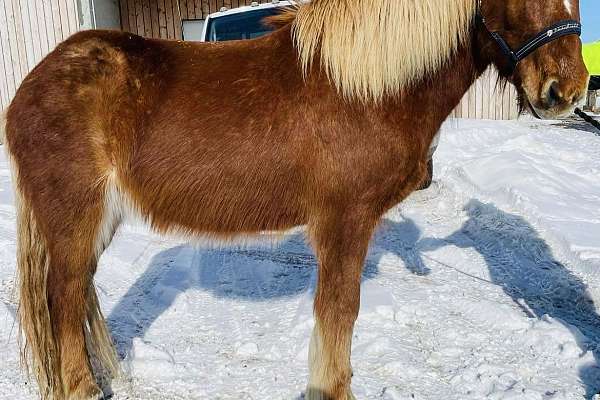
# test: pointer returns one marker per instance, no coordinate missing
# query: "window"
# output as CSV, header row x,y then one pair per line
x,y
246,25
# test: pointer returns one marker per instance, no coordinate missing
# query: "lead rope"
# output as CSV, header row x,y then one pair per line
x,y
588,119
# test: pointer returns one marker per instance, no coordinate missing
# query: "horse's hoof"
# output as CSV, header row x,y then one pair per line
x,y
316,394
86,392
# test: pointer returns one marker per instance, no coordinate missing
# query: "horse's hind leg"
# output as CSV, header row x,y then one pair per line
x,y
73,306
341,243
64,239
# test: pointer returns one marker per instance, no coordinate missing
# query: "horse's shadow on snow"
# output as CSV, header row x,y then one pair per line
x,y
522,263
251,273
518,259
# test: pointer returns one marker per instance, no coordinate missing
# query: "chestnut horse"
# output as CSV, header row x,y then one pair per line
x,y
325,123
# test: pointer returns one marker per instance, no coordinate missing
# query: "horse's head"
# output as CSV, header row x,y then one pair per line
x,y
535,44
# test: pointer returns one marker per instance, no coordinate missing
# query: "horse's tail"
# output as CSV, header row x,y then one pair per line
x,y
39,350
39,353
99,343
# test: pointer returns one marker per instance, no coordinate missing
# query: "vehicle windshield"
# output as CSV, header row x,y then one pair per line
x,y
246,25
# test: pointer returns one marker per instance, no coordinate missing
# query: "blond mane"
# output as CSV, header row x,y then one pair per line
x,y
372,48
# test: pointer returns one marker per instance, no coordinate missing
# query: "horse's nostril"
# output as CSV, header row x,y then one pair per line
x,y
554,95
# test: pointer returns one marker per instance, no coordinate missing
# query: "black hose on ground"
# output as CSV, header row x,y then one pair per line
x,y
587,118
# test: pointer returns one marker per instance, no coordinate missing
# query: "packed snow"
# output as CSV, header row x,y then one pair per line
x,y
481,287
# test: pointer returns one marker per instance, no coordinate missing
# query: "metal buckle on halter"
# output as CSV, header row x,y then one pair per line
x,y
545,36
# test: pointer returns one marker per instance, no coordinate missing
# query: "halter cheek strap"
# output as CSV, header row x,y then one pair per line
x,y
547,35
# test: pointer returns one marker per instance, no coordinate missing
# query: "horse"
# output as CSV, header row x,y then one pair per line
x,y
327,126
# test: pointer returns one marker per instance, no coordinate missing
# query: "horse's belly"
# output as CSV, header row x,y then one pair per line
x,y
221,203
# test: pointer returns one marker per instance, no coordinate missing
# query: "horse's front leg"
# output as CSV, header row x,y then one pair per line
x,y
341,243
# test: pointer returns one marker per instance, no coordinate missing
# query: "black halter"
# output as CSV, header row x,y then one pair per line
x,y
547,35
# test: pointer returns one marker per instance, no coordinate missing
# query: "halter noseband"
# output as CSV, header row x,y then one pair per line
x,y
547,35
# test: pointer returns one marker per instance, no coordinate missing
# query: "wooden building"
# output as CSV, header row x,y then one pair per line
x,y
488,100
29,29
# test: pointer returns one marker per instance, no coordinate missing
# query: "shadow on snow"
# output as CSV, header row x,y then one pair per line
x,y
522,263
251,273
519,261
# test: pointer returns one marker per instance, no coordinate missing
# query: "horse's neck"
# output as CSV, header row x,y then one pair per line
x,y
432,101
449,85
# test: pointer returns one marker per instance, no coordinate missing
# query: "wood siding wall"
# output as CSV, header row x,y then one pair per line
x,y
487,99
29,29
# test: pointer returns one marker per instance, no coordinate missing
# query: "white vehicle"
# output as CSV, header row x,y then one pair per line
x,y
247,23
241,23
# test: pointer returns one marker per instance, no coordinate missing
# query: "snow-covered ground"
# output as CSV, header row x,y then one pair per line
x,y
482,287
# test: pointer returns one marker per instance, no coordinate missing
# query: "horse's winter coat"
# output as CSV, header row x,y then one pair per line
x,y
325,123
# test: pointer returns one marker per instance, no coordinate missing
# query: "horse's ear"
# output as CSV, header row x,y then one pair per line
x,y
281,19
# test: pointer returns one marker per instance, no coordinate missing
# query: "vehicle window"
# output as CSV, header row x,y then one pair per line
x,y
247,25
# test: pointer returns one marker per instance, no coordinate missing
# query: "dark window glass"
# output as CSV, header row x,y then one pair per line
x,y
246,25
